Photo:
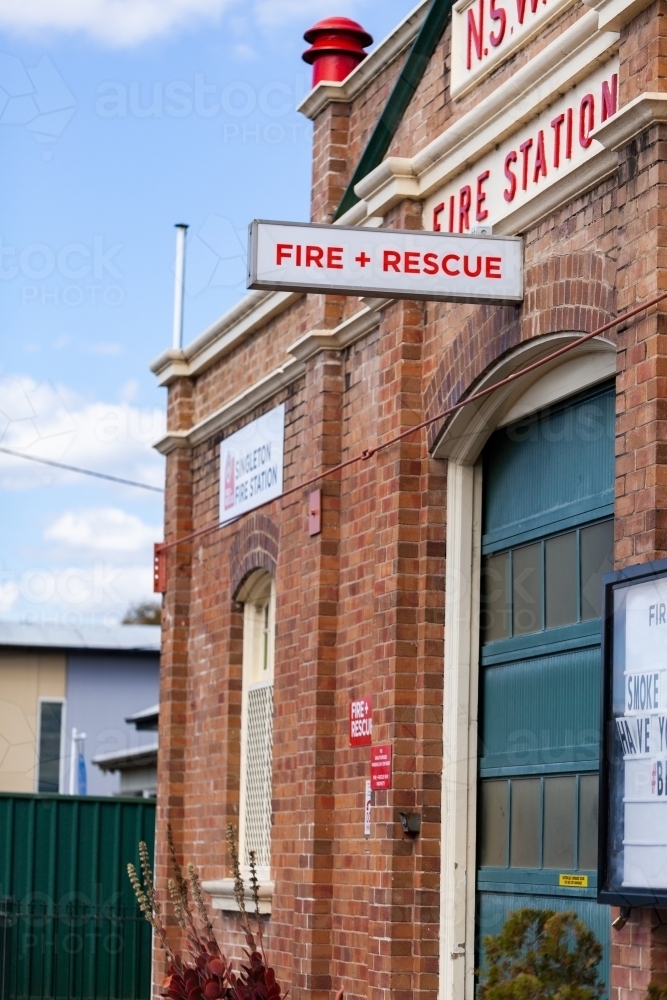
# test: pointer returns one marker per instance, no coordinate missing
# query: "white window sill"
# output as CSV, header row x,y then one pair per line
x,y
221,892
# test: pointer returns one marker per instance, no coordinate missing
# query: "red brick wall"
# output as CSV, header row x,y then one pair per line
x,y
360,607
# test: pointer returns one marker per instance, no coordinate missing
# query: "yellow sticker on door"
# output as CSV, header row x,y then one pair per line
x,y
574,881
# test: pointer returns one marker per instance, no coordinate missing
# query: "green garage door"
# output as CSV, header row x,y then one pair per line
x,y
547,539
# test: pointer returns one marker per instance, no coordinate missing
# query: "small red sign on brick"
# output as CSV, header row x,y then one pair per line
x,y
381,767
361,722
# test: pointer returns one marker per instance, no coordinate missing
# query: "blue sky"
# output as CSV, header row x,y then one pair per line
x,y
119,118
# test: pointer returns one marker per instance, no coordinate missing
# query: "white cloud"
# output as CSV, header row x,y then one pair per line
x,y
103,530
89,566
245,52
113,22
130,22
77,593
56,424
90,562
107,350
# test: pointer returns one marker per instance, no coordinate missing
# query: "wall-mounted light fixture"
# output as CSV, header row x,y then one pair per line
x,y
411,823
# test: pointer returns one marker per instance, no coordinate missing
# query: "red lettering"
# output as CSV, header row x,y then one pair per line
x,y
521,8
465,201
452,201
283,252
391,261
525,147
480,212
568,134
493,267
556,124
411,265
466,267
314,255
430,263
509,192
299,248
445,264
475,33
497,14
335,258
586,110
437,212
609,97
540,158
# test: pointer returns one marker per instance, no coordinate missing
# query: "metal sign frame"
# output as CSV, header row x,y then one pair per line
x,y
611,759
395,292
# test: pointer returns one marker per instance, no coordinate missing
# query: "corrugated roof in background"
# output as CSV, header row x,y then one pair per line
x,y
102,638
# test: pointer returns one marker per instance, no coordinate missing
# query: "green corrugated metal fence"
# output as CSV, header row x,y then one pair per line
x,y
69,925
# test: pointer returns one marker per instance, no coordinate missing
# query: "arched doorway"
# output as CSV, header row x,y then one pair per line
x,y
530,498
547,538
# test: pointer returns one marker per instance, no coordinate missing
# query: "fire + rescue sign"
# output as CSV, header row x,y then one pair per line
x,y
385,263
633,807
361,722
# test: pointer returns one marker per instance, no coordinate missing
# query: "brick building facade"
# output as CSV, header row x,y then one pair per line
x,y
384,601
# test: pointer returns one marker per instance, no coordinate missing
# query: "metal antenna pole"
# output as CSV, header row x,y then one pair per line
x,y
179,285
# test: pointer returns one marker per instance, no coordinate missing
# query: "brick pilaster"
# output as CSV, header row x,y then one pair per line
x,y
397,862
174,656
330,161
308,821
639,950
641,427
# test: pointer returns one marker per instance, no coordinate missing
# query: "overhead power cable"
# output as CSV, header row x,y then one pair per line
x,y
82,472
368,453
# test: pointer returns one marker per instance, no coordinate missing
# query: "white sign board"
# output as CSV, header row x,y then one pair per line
x,y
385,263
368,804
251,465
642,732
634,773
487,32
533,159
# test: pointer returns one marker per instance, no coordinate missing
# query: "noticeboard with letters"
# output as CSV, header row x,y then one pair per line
x,y
633,778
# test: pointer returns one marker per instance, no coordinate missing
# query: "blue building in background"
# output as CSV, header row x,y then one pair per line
x,y
57,681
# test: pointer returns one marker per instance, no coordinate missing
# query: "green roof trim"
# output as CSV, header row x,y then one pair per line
x,y
398,102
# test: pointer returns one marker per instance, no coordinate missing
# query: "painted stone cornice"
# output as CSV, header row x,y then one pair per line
x,y
342,336
306,347
375,62
236,408
646,110
615,14
171,441
252,312
565,61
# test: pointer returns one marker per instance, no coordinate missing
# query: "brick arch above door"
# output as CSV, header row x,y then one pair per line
x,y
256,546
573,292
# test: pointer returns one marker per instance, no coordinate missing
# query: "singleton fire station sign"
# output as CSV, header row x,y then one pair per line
x,y
386,263
251,465
633,807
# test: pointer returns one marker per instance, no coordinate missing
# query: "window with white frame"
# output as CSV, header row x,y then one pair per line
x,y
259,603
50,745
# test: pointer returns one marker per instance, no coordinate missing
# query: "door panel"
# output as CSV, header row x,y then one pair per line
x,y
493,909
541,711
547,538
543,470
